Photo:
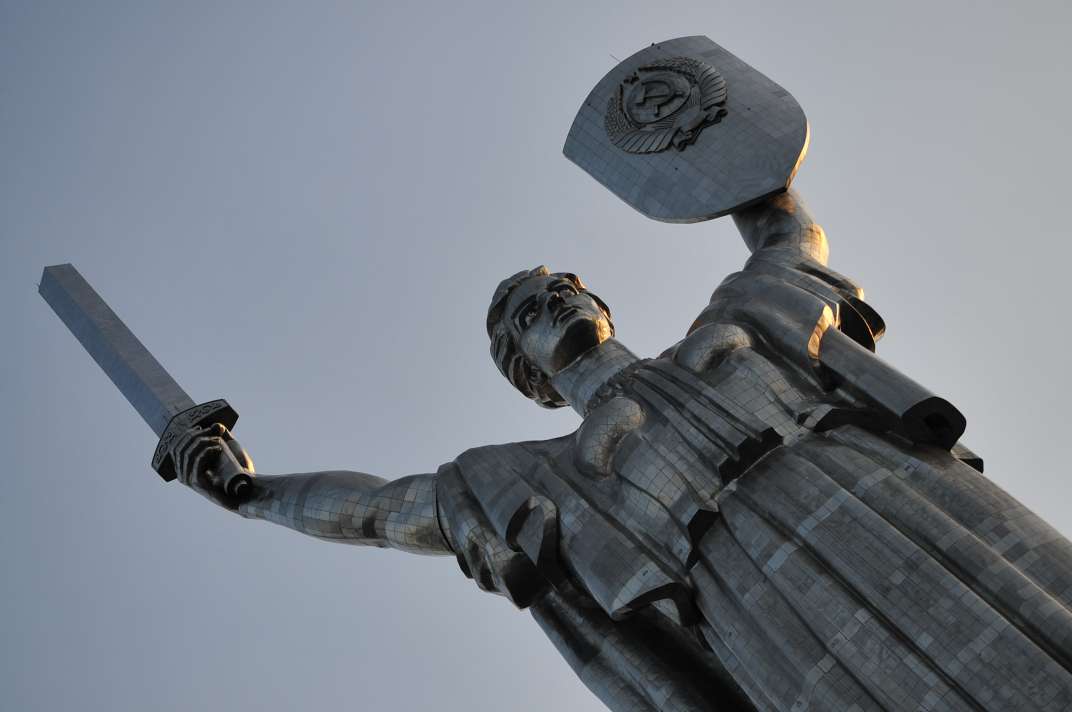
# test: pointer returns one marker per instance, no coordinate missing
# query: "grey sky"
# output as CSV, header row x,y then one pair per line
x,y
304,208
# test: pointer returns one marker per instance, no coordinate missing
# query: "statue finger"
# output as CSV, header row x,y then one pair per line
x,y
206,461
219,430
474,560
189,456
183,441
489,558
187,442
241,455
475,554
180,452
484,576
186,458
485,581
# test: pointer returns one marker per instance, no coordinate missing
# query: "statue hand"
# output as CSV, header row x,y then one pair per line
x,y
210,461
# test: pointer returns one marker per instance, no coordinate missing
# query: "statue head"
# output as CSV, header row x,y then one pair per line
x,y
539,322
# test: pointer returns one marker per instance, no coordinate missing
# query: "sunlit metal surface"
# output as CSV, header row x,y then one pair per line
x,y
766,516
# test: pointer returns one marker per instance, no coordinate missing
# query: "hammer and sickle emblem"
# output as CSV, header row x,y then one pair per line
x,y
665,103
655,95
656,92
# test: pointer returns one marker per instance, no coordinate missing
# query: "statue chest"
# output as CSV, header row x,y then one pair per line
x,y
620,506
663,441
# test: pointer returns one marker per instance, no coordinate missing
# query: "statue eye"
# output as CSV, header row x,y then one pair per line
x,y
528,316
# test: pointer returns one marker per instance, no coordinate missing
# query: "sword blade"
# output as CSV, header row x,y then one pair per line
x,y
133,370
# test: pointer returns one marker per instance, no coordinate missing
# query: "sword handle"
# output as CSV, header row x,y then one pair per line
x,y
229,476
200,416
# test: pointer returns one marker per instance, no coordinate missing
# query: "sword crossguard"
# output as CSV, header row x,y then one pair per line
x,y
205,414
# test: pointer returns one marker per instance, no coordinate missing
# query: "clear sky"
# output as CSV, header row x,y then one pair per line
x,y
304,208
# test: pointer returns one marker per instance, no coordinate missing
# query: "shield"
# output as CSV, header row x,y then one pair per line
x,y
684,131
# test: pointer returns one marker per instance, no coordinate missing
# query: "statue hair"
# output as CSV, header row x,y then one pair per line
x,y
504,350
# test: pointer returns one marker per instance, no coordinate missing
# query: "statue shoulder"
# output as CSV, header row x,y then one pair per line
x,y
499,480
507,458
496,517
780,291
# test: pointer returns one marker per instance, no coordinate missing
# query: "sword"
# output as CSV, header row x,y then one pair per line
x,y
161,402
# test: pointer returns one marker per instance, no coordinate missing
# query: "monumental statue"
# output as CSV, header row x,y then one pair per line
x,y
765,516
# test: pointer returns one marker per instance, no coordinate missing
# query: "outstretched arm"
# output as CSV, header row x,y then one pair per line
x,y
352,508
420,513
348,507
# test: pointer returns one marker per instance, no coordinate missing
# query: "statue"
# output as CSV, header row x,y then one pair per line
x,y
765,516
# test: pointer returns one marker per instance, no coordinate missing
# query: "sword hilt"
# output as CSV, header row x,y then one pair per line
x,y
200,416
229,476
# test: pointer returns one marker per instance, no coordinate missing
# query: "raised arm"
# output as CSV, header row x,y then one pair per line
x,y
787,243
789,260
341,506
783,224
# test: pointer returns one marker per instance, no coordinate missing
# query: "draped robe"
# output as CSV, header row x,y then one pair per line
x,y
767,516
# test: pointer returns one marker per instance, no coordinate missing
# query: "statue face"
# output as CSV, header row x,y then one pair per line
x,y
553,323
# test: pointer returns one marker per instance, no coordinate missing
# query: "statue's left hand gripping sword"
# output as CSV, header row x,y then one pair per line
x,y
162,403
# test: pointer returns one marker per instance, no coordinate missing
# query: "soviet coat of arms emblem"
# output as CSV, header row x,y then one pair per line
x,y
740,135
665,103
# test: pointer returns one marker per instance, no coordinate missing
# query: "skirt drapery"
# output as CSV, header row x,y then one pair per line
x,y
852,571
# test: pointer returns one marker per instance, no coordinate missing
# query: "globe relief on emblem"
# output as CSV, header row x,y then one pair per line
x,y
667,102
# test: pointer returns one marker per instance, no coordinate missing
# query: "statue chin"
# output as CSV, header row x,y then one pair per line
x,y
581,335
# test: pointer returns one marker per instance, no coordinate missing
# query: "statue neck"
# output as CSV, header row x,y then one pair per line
x,y
579,381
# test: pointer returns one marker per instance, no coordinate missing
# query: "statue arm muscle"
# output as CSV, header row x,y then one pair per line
x,y
783,223
353,508
782,235
789,248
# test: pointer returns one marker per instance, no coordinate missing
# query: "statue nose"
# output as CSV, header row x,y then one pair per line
x,y
554,301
